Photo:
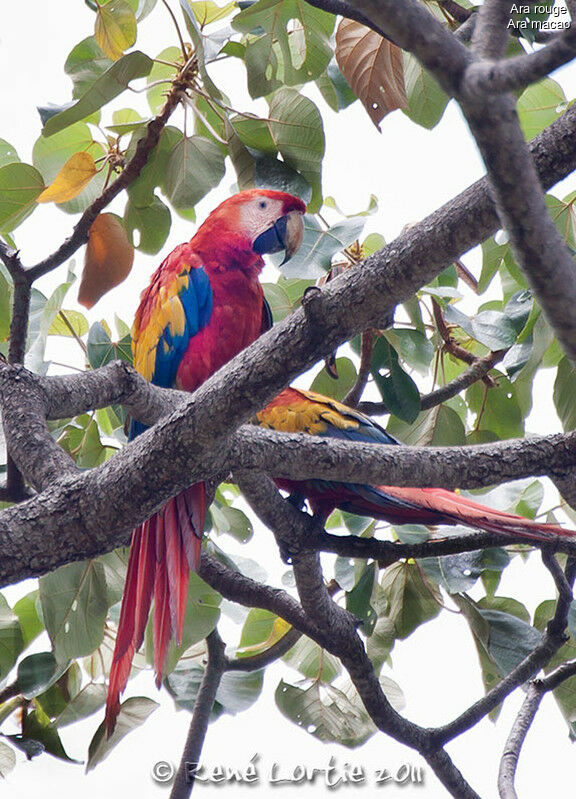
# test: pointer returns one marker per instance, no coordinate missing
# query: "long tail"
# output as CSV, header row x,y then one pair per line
x,y
163,550
438,506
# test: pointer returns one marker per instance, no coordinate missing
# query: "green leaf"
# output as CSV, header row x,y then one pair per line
x,y
65,320
8,154
408,599
324,384
296,38
81,439
564,393
109,85
20,185
85,64
42,314
157,94
232,521
509,640
36,673
494,329
426,100
88,701
30,622
278,299
102,350
5,306
358,600
194,167
11,638
458,573
307,657
152,222
437,427
262,629
498,407
334,88
207,11
563,213
326,713
319,246
413,347
539,105
133,713
237,690
56,697
74,608
153,174
36,727
296,127
398,390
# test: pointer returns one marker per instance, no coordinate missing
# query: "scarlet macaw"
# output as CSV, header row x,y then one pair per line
x,y
298,411
204,305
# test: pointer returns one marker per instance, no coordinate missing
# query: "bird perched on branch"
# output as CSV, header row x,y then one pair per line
x,y
298,411
203,306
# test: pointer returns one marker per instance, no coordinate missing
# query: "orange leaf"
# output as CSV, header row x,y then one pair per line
x,y
74,176
107,260
373,67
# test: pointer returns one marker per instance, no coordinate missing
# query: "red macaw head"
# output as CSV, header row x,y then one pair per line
x,y
261,220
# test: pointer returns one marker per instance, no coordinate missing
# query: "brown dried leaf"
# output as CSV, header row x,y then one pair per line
x,y
373,67
107,260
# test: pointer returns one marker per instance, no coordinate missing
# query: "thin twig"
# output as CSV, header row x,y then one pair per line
x,y
526,715
352,398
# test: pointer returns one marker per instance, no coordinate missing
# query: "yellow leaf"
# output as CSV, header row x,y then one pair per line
x,y
279,629
107,260
207,11
74,176
115,29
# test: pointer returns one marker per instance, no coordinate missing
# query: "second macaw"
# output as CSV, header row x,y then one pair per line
x,y
203,306
298,411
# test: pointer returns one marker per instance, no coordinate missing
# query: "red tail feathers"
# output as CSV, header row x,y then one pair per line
x,y
163,550
438,506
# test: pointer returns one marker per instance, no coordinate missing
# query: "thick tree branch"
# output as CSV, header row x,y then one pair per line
x,y
491,35
93,512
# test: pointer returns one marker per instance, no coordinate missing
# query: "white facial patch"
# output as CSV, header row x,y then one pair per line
x,y
259,214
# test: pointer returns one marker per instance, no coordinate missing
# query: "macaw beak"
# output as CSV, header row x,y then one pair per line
x,y
285,234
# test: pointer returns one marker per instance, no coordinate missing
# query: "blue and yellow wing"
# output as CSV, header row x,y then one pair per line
x,y
171,313
299,411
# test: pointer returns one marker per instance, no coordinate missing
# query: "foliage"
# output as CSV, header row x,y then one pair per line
x,y
289,51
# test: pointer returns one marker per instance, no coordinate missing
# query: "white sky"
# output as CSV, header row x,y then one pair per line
x,y
412,172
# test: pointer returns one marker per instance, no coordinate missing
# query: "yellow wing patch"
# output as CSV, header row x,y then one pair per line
x,y
309,413
167,313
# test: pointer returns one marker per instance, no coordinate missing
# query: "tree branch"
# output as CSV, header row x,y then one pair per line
x,y
490,35
526,715
130,172
552,640
215,668
519,72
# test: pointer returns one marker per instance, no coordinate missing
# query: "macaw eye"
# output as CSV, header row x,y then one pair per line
x,y
262,203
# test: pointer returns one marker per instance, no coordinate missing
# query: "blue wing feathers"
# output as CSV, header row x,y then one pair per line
x,y
196,300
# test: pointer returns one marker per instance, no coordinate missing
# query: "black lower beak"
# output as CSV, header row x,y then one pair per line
x,y
273,239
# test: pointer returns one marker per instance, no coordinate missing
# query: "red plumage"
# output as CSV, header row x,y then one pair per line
x,y
298,411
203,306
